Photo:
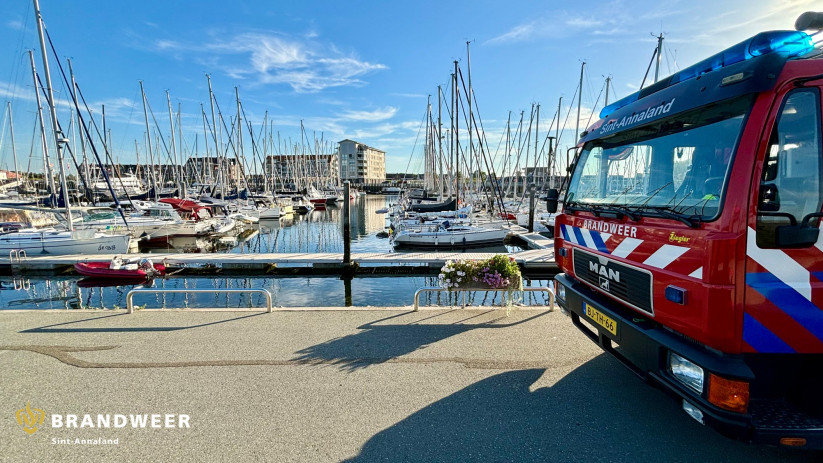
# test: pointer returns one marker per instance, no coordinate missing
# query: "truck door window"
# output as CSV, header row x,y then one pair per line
x,y
791,182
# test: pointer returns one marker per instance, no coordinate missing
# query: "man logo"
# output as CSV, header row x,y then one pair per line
x,y
604,272
30,418
604,284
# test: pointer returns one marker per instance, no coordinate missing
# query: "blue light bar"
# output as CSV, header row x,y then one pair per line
x,y
787,43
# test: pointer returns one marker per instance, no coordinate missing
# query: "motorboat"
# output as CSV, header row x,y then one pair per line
x,y
123,186
118,268
142,225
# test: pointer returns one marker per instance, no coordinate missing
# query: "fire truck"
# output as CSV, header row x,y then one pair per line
x,y
690,240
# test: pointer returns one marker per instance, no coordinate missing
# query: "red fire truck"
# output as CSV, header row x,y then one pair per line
x,y
690,240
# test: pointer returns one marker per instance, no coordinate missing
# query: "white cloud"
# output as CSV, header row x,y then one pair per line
x,y
15,24
607,19
516,34
369,116
304,64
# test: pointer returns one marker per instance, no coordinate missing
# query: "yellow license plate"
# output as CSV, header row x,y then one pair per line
x,y
600,319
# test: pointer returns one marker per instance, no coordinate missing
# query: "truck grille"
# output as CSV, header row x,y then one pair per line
x,y
631,285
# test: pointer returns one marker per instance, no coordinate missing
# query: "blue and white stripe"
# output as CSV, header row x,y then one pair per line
x,y
587,238
779,264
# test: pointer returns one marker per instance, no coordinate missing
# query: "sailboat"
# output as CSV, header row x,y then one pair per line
x,y
431,229
53,241
56,242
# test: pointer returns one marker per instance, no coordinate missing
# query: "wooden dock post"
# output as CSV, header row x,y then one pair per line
x,y
531,208
347,290
346,223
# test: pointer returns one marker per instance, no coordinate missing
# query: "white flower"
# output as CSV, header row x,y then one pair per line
x,y
459,280
448,280
462,274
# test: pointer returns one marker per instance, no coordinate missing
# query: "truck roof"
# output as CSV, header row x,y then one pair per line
x,y
751,66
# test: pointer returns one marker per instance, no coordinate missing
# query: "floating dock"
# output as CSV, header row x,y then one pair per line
x,y
533,262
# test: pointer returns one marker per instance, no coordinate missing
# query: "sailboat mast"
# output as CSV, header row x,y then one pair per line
x,y
579,103
82,139
217,146
13,147
536,128
428,177
46,165
440,139
239,150
456,142
471,135
557,137
659,56
265,154
173,145
608,82
206,138
183,178
148,143
58,135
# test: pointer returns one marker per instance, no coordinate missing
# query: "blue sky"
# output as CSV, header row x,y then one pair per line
x,y
357,70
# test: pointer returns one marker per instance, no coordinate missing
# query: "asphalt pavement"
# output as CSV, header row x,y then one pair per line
x,y
389,385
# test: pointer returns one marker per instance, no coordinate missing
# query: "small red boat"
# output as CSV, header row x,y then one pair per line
x,y
120,270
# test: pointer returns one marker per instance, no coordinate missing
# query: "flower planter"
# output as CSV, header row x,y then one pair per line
x,y
478,286
500,273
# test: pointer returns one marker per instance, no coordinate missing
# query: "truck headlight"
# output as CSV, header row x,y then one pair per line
x,y
559,291
687,372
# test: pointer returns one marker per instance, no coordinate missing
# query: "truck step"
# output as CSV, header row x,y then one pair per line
x,y
778,414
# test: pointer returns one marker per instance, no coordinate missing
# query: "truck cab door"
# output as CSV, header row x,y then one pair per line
x,y
784,282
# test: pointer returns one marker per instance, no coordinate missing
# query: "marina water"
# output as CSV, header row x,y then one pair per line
x,y
317,232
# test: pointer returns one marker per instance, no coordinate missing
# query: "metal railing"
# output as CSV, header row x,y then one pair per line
x,y
130,295
18,255
464,291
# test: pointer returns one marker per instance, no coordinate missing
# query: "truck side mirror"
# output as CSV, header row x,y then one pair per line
x,y
769,198
551,200
795,236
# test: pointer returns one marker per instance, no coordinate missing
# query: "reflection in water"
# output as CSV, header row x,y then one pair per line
x,y
316,232
64,293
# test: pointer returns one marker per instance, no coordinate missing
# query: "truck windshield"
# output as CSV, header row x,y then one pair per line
x,y
679,165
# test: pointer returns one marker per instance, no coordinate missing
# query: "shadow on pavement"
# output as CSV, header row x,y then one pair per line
x,y
378,343
598,412
56,328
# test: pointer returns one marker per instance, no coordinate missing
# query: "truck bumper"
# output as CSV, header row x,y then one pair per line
x,y
643,346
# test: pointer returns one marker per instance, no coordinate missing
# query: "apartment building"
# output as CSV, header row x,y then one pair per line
x,y
361,164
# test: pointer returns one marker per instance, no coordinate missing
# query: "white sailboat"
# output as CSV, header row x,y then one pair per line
x,y
53,241
445,235
57,242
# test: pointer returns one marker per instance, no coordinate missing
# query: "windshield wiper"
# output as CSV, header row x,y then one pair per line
x,y
664,211
610,211
633,215
576,206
